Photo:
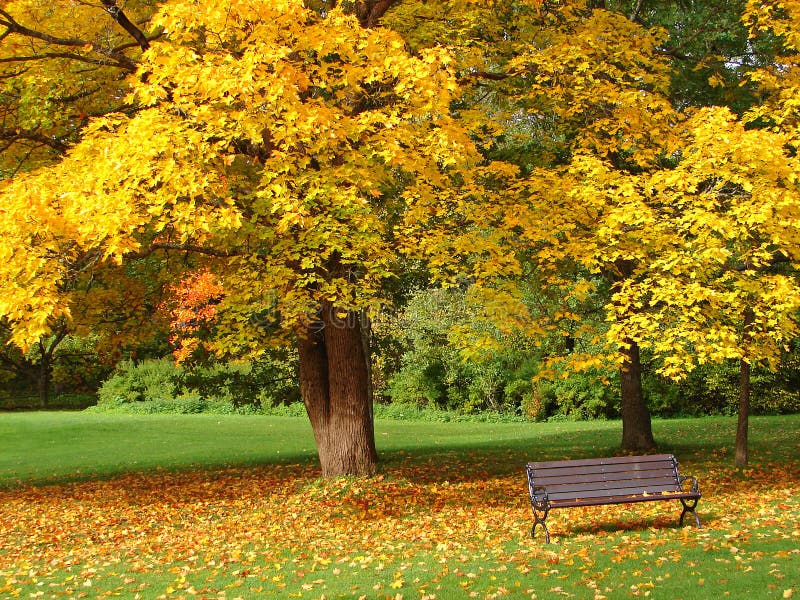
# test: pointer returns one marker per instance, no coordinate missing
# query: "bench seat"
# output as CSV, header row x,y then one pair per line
x,y
614,480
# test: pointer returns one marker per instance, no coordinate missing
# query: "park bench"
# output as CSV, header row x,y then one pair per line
x,y
598,481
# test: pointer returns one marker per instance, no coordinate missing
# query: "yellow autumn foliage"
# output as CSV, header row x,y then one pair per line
x,y
265,140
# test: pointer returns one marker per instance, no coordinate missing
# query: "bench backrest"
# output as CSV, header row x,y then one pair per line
x,y
604,479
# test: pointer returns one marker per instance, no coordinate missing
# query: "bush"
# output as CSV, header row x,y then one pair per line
x,y
411,412
579,396
272,380
419,386
147,381
714,389
266,382
77,367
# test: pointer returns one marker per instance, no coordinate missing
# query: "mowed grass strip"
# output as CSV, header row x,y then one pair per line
x,y
244,516
41,447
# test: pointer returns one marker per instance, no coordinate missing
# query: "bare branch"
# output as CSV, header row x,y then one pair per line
x,y
77,96
129,45
126,64
486,75
369,12
14,27
155,246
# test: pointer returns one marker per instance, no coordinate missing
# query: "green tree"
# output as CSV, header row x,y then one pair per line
x,y
587,92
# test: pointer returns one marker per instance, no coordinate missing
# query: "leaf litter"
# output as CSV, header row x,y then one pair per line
x,y
417,531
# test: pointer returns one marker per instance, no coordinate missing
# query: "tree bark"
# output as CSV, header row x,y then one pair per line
x,y
43,383
742,426
334,385
119,16
637,433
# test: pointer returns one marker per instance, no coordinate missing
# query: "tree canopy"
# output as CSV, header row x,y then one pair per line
x,y
298,155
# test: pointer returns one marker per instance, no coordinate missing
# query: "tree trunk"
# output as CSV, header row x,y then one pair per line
x,y
43,383
637,433
44,375
744,413
742,425
334,384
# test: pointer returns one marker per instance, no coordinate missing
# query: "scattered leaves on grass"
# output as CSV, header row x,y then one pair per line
x,y
412,532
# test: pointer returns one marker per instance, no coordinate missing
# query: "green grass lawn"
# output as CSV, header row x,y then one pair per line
x,y
156,506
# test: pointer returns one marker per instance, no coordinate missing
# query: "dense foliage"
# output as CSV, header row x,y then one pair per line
x,y
609,189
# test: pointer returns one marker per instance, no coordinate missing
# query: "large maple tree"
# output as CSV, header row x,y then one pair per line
x,y
264,142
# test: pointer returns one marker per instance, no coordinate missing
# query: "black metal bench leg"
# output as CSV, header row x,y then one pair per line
x,y
689,507
539,520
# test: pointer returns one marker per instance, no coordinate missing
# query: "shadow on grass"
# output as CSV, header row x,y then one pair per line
x,y
425,453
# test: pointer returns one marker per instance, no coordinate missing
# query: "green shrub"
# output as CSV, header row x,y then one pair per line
x,y
578,396
235,386
179,406
146,381
714,390
271,380
77,367
72,401
412,412
419,386
533,405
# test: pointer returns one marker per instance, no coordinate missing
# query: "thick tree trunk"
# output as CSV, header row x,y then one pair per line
x,y
637,433
742,425
334,384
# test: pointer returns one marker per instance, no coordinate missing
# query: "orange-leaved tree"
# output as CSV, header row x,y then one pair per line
x,y
265,142
192,308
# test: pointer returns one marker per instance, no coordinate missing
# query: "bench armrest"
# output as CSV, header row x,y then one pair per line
x,y
539,497
693,480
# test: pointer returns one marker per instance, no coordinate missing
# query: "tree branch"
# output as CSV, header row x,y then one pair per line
x,y
489,76
120,17
155,246
15,135
369,12
121,60
636,10
13,26
58,337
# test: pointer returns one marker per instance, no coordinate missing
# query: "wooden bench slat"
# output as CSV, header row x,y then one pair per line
x,y
613,491
600,500
611,476
599,469
660,483
613,460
